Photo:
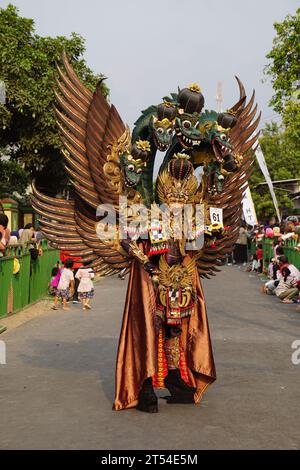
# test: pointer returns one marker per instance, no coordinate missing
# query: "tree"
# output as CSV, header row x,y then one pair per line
x,y
284,68
14,179
281,163
27,67
280,144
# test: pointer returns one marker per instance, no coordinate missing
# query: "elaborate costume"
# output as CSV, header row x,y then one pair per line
x,y
154,231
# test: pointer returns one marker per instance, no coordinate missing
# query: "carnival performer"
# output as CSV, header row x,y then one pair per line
x,y
164,340
165,308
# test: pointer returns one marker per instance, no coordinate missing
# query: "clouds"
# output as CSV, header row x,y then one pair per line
x,y
148,47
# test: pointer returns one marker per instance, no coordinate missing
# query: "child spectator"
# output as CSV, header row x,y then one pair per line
x,y
77,263
255,264
287,286
55,278
275,269
259,254
278,248
268,268
86,286
65,286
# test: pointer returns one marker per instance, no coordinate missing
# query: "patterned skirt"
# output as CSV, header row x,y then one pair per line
x,y
86,295
63,293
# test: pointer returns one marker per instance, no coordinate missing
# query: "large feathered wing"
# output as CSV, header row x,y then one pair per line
x,y
89,128
243,139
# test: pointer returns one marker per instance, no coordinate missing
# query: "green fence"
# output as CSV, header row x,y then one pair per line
x,y
30,283
289,249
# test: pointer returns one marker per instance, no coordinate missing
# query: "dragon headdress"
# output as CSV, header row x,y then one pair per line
x,y
105,161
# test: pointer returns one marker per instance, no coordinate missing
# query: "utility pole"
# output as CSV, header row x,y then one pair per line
x,y
219,97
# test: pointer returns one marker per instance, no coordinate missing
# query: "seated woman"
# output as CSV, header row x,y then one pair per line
x,y
287,287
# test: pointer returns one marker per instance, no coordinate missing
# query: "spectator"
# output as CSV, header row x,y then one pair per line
x,y
260,233
255,264
55,278
15,233
27,239
39,236
240,249
27,236
276,231
273,269
4,233
13,241
287,287
278,248
65,286
268,268
64,254
259,254
283,262
85,287
269,232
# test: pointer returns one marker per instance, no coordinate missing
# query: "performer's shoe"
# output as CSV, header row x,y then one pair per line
x,y
147,398
181,398
180,391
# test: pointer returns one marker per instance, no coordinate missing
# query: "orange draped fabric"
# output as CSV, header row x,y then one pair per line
x,y
137,351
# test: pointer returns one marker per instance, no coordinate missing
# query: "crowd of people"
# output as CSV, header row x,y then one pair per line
x,y
71,281
26,236
283,277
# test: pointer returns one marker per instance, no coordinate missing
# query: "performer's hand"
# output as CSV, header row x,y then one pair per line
x,y
150,268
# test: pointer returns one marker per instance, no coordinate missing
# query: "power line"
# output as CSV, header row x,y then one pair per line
x,y
271,117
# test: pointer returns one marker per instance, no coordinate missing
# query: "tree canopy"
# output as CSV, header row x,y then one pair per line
x,y
275,146
280,143
284,66
29,133
14,179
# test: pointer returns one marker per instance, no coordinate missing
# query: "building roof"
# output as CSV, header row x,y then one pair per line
x,y
280,182
8,200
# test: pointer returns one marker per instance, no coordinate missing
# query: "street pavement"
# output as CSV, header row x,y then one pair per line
x,y
57,388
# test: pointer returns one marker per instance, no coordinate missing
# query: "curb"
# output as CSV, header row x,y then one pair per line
x,y
2,329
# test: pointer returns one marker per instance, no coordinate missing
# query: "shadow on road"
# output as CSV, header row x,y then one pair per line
x,y
94,354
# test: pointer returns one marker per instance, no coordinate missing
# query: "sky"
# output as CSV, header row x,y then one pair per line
x,y
149,48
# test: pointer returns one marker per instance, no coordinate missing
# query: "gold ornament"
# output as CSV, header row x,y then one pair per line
x,y
194,87
171,190
112,169
176,277
143,145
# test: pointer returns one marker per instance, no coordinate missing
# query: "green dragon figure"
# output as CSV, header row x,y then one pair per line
x,y
187,132
132,170
155,125
214,134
